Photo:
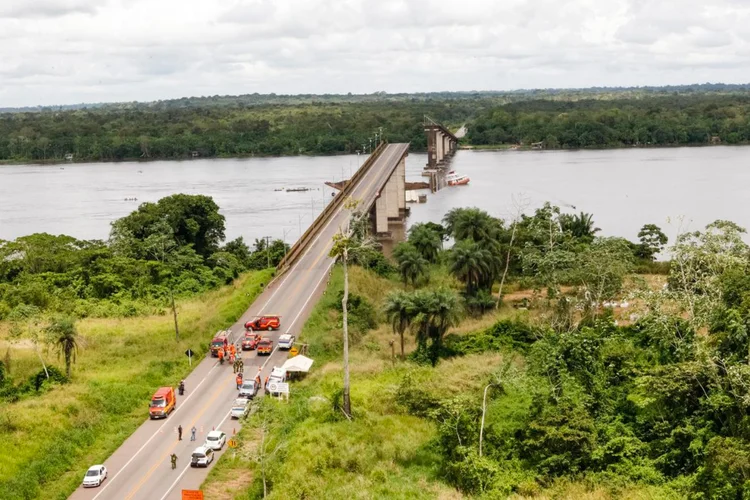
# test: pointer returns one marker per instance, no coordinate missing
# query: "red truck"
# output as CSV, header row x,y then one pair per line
x,y
265,322
250,341
220,341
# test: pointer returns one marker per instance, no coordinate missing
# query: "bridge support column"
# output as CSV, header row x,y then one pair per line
x,y
381,212
400,174
391,189
440,152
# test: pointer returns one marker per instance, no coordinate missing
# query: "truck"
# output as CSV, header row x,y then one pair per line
x,y
265,322
163,402
220,341
265,347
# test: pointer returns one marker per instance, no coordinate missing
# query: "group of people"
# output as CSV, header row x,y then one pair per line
x,y
230,352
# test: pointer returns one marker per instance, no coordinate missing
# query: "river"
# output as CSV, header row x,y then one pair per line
x,y
623,188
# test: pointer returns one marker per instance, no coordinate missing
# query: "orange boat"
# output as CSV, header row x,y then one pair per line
x,y
456,180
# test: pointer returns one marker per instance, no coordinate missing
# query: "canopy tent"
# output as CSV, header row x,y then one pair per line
x,y
298,363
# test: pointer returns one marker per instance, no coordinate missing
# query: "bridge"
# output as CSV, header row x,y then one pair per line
x,y
140,468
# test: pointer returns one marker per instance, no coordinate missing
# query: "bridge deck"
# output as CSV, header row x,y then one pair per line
x,y
141,468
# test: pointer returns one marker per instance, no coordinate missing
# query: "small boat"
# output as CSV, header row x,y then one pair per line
x,y
455,179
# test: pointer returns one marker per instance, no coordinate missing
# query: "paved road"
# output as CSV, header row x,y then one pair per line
x,y
140,468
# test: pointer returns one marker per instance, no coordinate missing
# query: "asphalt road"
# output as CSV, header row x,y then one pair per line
x,y
141,468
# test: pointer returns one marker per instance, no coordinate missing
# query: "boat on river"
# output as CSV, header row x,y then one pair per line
x,y
455,179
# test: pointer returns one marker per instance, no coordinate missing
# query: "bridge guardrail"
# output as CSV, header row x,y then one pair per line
x,y
297,249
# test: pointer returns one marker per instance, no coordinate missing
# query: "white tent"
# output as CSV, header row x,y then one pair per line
x,y
298,363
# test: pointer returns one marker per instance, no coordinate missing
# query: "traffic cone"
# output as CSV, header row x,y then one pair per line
x,y
213,428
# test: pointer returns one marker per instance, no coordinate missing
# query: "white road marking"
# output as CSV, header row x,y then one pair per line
x,y
325,274
188,465
158,431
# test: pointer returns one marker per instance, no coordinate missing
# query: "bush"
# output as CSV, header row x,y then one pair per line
x,y
505,334
361,313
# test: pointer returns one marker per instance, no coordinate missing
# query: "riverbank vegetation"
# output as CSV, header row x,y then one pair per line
x,y
172,248
588,381
258,125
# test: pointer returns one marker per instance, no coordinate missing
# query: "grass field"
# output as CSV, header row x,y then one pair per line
x,y
51,438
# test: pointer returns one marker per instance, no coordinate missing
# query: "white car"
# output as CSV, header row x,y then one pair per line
x,y
94,476
286,341
240,407
202,456
215,440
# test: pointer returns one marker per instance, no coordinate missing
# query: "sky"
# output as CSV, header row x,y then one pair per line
x,y
73,51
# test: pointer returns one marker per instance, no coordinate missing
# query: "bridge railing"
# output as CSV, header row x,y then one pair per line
x,y
307,237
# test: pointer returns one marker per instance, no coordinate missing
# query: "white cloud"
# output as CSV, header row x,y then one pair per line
x,y
61,51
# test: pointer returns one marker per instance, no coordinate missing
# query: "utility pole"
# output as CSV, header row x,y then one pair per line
x,y
380,129
285,233
268,250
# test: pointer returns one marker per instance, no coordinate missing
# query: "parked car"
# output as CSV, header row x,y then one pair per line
x,y
249,389
202,456
265,346
94,476
265,322
286,341
250,341
240,407
215,440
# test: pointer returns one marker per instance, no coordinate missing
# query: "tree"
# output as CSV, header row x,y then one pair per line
x,y
433,312
601,269
24,319
412,266
345,243
580,226
399,309
195,220
470,263
468,223
161,246
63,336
427,242
653,241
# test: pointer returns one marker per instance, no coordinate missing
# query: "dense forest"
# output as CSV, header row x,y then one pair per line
x,y
661,121
263,125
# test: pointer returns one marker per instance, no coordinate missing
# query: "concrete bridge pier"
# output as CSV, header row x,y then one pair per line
x,y
390,205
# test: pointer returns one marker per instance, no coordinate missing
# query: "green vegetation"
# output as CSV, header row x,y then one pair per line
x,y
553,394
54,432
162,250
658,121
252,125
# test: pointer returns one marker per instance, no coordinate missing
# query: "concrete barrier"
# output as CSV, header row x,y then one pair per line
x,y
298,248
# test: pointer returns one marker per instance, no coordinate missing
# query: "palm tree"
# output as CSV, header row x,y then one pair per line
x,y
445,314
64,339
471,264
433,312
411,264
399,309
469,223
427,241
581,225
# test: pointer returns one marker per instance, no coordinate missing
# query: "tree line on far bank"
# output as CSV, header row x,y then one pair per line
x,y
244,129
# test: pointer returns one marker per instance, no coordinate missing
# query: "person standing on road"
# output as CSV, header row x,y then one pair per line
x,y
221,356
239,381
174,461
192,434
179,433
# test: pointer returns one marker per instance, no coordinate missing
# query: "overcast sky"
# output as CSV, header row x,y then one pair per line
x,y
71,51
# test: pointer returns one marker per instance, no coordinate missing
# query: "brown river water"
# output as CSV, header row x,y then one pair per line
x,y
623,188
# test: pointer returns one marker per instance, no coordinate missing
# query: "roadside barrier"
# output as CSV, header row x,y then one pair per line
x,y
298,248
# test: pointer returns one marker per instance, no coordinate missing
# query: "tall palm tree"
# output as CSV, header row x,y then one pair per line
x,y
64,339
470,263
421,311
399,310
412,266
427,241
